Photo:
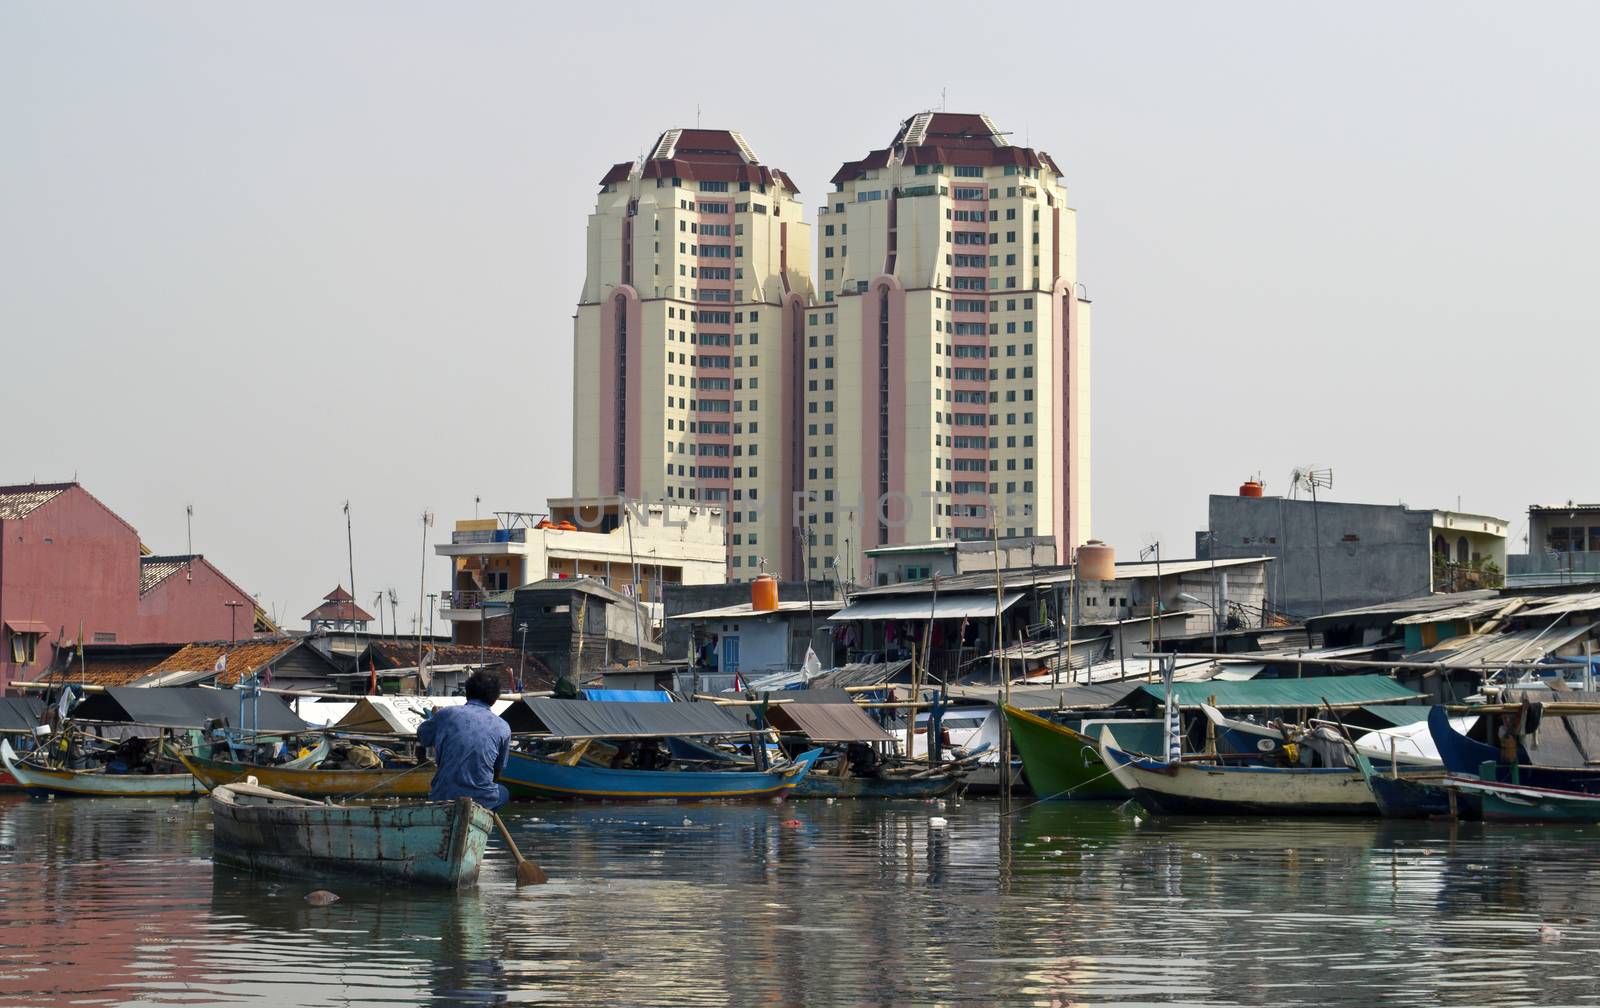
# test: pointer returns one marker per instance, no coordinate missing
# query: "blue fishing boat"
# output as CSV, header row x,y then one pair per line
x,y
1498,802
618,752
1551,753
533,776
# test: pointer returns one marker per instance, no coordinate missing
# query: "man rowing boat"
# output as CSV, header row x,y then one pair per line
x,y
470,745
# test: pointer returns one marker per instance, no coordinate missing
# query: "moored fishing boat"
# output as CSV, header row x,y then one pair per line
x,y
314,782
46,780
1497,802
423,843
824,785
1064,764
1190,788
529,776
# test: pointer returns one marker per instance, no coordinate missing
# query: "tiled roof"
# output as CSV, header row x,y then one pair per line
x,y
155,569
119,664
339,595
22,499
339,612
948,138
244,658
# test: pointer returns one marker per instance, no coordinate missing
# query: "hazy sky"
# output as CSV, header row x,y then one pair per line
x,y
265,258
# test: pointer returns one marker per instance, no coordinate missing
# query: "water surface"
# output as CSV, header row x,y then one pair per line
x,y
116,902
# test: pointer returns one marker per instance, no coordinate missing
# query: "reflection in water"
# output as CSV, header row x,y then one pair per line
x,y
116,902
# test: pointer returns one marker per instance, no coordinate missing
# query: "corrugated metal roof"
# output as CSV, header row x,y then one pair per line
x,y
18,501
1402,607
1473,650
973,605
1561,604
745,610
1475,609
1042,576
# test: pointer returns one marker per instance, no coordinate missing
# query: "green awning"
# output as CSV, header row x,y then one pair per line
x,y
1339,691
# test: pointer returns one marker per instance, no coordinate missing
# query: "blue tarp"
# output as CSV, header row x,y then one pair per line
x,y
628,695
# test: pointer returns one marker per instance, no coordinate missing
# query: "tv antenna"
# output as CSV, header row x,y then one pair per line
x,y
1308,478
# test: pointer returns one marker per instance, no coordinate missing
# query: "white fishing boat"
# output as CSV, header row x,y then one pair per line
x,y
1190,788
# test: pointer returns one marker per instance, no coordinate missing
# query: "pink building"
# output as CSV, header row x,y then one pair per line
x,y
69,564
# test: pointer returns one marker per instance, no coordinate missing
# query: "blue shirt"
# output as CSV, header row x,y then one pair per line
x,y
470,745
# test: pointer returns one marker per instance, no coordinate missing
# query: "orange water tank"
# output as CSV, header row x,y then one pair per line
x,y
1097,562
764,593
1251,488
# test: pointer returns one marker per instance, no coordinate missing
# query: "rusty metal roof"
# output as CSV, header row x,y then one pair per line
x,y
20,500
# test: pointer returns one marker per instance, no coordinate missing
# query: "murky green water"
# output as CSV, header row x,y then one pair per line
x,y
110,902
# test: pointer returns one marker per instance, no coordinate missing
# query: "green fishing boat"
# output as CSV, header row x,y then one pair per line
x,y
1063,764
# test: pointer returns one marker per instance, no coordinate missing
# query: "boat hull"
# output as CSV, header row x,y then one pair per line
x,y
96,784
1208,789
528,777
1061,764
1523,804
413,843
312,783
828,786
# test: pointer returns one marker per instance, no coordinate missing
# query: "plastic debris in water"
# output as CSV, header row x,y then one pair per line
x,y
792,824
936,822
321,897
1549,934
687,821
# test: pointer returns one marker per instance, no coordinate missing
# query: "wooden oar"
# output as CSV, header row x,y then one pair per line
x,y
528,873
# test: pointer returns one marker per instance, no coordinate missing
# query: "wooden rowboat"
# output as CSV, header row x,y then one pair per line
x,y
418,843
96,783
528,776
313,783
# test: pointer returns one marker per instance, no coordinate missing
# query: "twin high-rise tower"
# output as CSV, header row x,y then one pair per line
x,y
926,379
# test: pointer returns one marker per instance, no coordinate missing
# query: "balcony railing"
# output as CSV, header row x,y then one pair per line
x,y
477,537
466,598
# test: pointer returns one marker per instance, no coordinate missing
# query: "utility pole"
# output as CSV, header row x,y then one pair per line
x,y
522,658
422,584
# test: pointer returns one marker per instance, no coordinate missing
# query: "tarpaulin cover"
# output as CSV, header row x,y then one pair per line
x,y
577,719
1340,691
827,722
187,707
628,695
20,714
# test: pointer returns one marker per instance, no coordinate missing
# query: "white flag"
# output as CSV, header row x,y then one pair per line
x,y
66,702
812,666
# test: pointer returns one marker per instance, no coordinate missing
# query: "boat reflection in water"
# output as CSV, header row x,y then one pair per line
x,y
777,903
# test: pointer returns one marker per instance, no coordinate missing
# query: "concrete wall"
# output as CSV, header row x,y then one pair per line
x,y
675,639
1369,552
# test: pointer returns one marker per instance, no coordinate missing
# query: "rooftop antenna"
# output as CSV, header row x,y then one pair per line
x,y
188,512
696,115
1311,477
942,99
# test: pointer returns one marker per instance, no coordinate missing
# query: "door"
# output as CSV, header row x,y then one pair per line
x,y
730,655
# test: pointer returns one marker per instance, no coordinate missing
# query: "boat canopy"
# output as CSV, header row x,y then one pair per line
x,y
1338,691
186,707
20,714
396,715
827,722
581,719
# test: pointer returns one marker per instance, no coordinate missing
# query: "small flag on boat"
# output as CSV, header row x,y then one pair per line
x,y
65,703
